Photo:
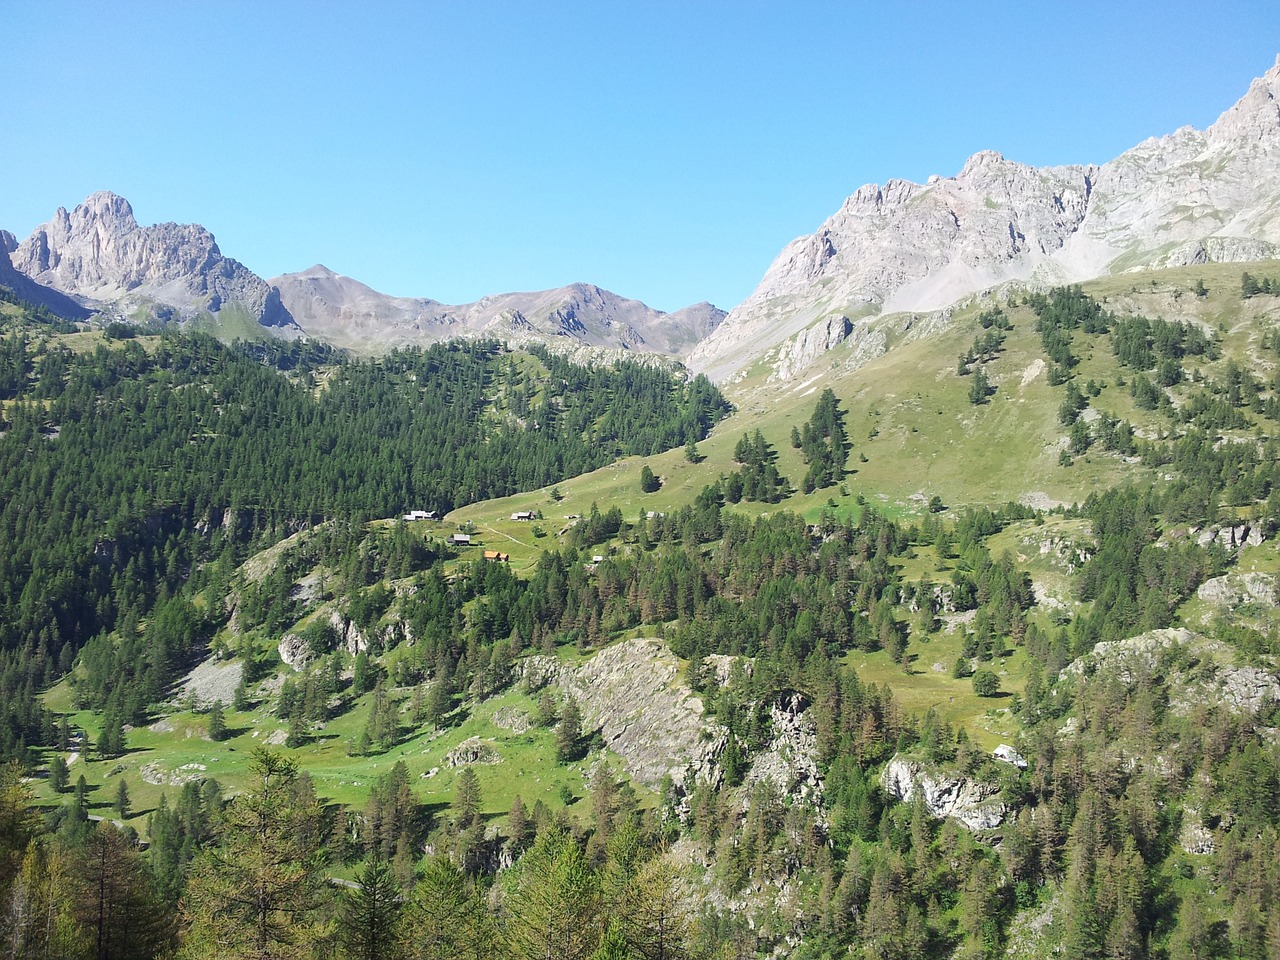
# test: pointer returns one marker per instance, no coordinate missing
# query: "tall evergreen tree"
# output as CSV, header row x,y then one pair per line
x,y
369,915
255,894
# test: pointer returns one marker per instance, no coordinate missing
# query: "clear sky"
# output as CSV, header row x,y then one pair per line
x,y
664,150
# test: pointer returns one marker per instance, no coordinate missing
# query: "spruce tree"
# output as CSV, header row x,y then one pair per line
x,y
369,915
122,800
569,733
59,773
217,723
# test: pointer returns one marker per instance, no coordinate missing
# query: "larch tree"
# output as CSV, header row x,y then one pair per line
x,y
255,894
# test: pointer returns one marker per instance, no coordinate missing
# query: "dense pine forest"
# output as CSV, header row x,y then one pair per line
x,y
1138,816
131,470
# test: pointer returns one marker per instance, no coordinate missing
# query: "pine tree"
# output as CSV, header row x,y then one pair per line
x,y
466,798
254,894
369,915
655,921
116,902
59,773
554,903
649,481
569,733
217,722
445,918
979,387
122,800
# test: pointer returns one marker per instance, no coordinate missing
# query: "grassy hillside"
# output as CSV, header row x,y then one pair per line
x,y
910,417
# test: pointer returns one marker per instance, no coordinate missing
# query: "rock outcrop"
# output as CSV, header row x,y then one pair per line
x,y
99,254
971,802
24,288
472,750
797,354
1230,537
790,762
632,692
1198,671
1190,197
348,313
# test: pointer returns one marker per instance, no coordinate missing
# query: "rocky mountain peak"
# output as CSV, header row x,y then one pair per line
x,y
8,242
906,247
98,253
1255,116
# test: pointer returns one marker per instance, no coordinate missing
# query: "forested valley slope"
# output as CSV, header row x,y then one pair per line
x,y
307,655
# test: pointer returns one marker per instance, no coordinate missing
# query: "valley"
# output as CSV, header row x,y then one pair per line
x,y
942,623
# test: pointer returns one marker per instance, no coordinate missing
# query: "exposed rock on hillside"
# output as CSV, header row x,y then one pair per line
x,y
1197,670
969,801
99,253
349,313
472,750
1239,589
1185,198
27,289
808,345
212,680
790,762
1230,537
632,692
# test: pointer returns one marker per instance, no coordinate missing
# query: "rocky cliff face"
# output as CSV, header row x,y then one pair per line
x,y
973,803
27,289
349,313
631,691
98,253
1196,670
1185,198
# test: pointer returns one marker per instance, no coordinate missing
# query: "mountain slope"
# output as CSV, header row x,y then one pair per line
x,y
1189,197
346,312
99,253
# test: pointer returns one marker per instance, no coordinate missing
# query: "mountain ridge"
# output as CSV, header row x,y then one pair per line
x,y
98,253
347,311
1183,198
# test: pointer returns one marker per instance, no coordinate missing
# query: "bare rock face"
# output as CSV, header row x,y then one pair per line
x,y
632,692
1189,197
348,313
1231,537
1197,670
790,762
1194,837
1239,589
99,253
472,750
797,354
969,801
27,289
294,651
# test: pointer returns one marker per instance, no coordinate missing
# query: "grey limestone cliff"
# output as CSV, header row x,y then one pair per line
x,y
99,254
1185,198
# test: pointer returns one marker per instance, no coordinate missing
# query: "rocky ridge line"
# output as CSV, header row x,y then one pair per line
x,y
1190,197
99,254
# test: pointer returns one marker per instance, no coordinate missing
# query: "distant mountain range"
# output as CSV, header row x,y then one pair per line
x,y
98,257
346,312
1193,196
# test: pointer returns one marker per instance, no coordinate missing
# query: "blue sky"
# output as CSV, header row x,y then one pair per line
x,y
665,151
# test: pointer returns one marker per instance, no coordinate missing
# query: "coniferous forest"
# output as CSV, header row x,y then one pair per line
x,y
1138,816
